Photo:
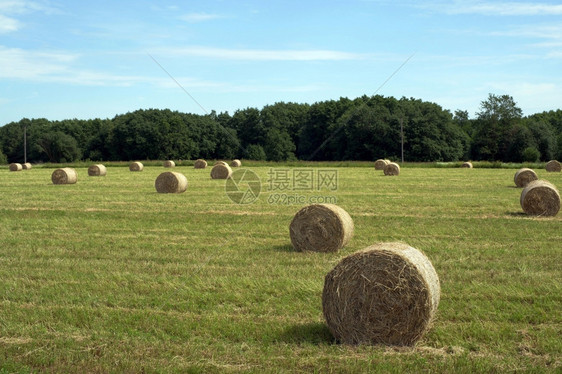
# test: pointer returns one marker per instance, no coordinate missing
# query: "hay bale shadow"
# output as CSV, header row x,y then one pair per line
x,y
283,248
516,214
310,333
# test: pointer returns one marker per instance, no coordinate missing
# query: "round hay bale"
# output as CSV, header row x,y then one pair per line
x,y
97,170
171,182
391,168
380,164
235,163
64,176
16,167
221,163
523,176
321,228
553,166
220,171
540,198
169,164
200,164
387,293
136,166
26,166
467,165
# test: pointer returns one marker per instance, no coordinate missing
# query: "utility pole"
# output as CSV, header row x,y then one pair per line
x,y
25,143
402,137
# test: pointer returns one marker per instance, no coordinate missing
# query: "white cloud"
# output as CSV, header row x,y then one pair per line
x,y
263,55
8,24
489,8
199,17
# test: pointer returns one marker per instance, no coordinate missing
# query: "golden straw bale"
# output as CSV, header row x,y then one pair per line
x,y
321,228
387,294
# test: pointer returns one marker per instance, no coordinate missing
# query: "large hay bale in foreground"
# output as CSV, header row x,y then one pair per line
x,y
136,166
467,165
540,198
169,164
387,293
321,228
220,171
200,164
221,163
97,170
171,182
523,176
64,176
16,167
235,163
391,168
26,166
380,164
553,166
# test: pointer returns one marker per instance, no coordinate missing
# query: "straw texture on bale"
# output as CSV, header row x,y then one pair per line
x,y
467,164
391,168
553,166
26,166
171,182
540,198
136,166
221,163
16,167
64,176
169,164
220,171
321,228
524,176
380,164
200,164
387,293
97,170
235,163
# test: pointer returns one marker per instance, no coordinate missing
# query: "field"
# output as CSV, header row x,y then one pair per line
x,y
109,276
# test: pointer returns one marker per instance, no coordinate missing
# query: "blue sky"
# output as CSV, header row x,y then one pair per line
x,y
76,59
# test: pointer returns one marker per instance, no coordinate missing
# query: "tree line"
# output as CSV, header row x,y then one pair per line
x,y
365,128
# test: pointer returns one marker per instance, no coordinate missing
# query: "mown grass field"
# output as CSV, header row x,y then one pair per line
x,y
109,276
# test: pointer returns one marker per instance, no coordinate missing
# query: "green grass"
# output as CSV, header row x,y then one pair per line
x,y
108,276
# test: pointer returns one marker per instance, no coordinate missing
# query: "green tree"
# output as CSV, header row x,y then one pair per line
x,y
58,147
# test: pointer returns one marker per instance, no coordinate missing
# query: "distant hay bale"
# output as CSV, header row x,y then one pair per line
x,y
169,164
64,176
553,166
171,182
26,166
467,165
136,166
97,170
235,163
391,168
523,176
200,164
321,228
540,198
220,171
380,164
16,167
221,163
387,293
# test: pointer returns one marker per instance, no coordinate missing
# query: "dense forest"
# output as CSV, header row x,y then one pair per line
x,y
366,128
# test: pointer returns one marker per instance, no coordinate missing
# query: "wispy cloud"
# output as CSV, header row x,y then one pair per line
x,y
263,55
8,24
489,8
199,17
